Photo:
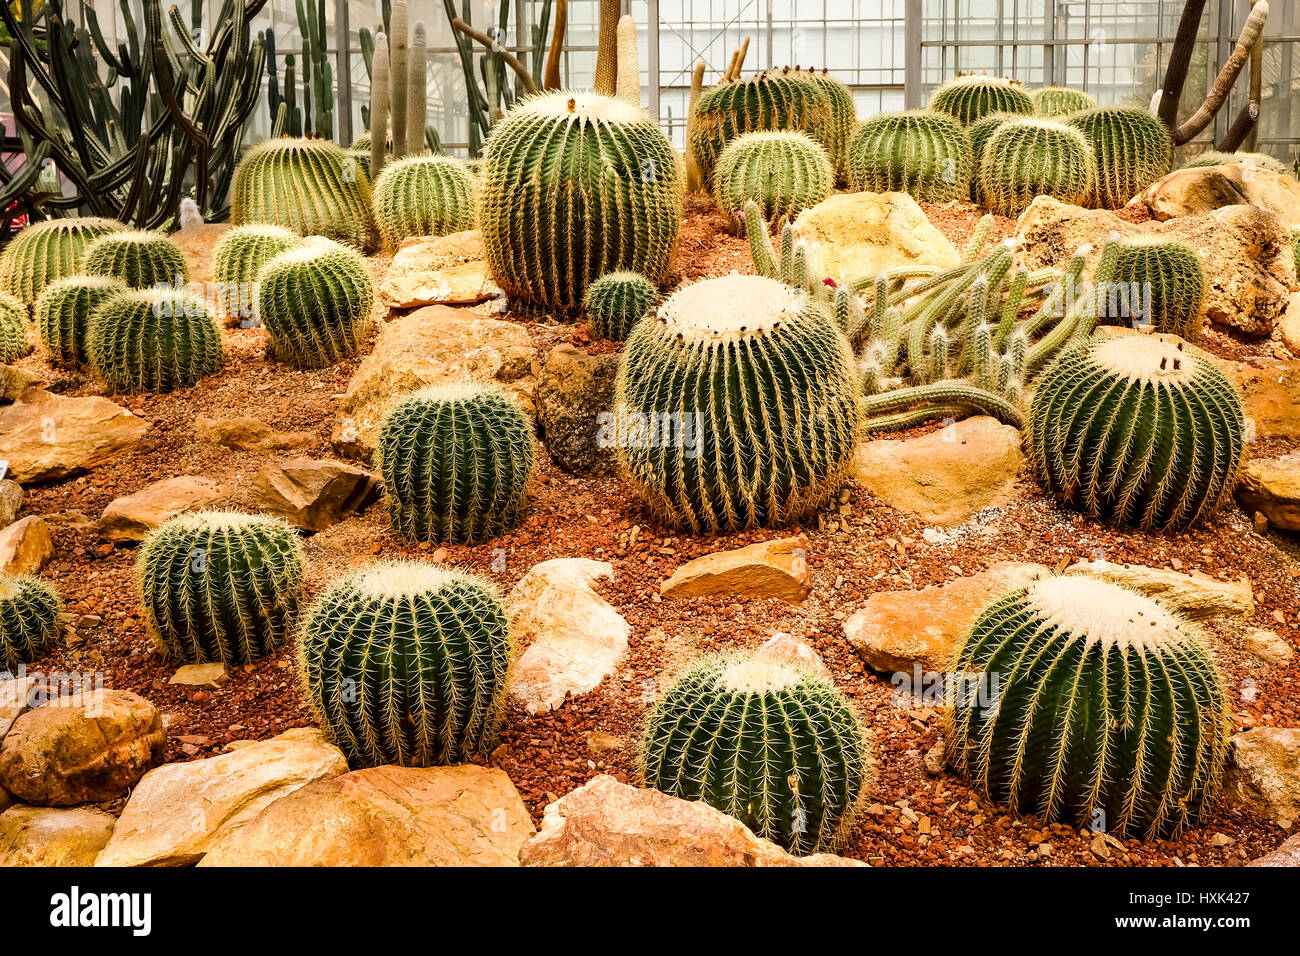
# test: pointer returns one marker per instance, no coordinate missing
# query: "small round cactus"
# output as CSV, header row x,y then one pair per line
x,y
408,663
315,301
13,329
1052,102
1157,282
1132,150
141,259
47,251
1025,158
784,173
768,742
152,340
31,616
456,460
220,585
236,260
1087,702
1258,160
616,302
974,96
63,313
1141,430
423,196
921,152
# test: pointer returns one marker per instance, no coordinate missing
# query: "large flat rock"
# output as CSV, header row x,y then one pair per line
x,y
45,436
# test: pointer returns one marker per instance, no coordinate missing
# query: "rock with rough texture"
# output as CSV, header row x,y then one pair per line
x,y
572,638
430,346
11,501
787,649
180,811
15,381
387,816
1264,773
15,696
39,836
250,434
574,391
897,630
1270,390
1195,596
451,270
1288,330
769,569
208,676
25,546
946,476
1288,854
197,243
130,518
46,436
1272,486
313,494
1203,189
86,747
1269,646
607,823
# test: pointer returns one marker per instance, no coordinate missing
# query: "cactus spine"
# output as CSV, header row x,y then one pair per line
x,y
48,251
1025,158
140,259
974,96
13,329
63,313
423,196
1158,280
784,173
152,340
616,302
1052,102
920,152
31,616
1132,150
236,260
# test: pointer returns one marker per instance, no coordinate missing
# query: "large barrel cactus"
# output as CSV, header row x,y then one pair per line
x,y
575,185
974,96
237,259
1141,430
31,617
307,185
220,585
315,302
737,405
13,328
1156,281
1083,701
63,313
140,258
152,340
47,251
1132,149
616,302
423,196
844,118
456,460
981,131
784,173
1056,101
408,663
921,152
768,742
1025,158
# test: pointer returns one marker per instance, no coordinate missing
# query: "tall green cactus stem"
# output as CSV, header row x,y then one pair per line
x,y
423,196
974,96
399,62
1139,430
48,251
616,302
769,742
575,185
315,301
63,314
1258,160
13,329
750,393
307,185
1053,102
220,585
947,393
1026,158
31,617
237,259
1132,150
152,340
844,118
417,94
380,139
317,74
921,152
784,173
408,663
140,259
1086,702
456,460
1155,281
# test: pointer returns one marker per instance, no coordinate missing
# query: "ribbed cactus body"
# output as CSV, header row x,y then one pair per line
x,y
13,328
423,196
1157,282
1056,101
616,302
1086,702
141,259
314,301
47,251
784,173
237,259
575,185
1140,430
220,585
1258,160
407,663
63,313
769,743
146,340
1025,158
844,119
1132,150
456,461
921,152
972,97
31,617
981,131
741,405
307,185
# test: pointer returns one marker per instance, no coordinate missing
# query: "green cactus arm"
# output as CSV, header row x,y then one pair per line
x,y
942,394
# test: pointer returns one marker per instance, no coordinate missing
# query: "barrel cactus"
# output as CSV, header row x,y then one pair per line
x,y
844,118
784,173
423,196
981,131
1087,702
315,301
1056,101
456,460
1025,158
152,340
13,329
974,96
407,663
308,185
140,258
616,302
63,313
1156,281
47,251
1258,160
31,616
220,585
1132,150
740,401
1141,430
770,743
921,152
236,260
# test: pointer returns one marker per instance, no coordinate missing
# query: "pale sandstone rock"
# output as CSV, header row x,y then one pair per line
x,y
769,569
1264,773
25,546
1269,646
451,270
574,390
313,494
11,501
1272,486
1203,189
1288,854
38,836
209,676
250,434
46,436
1270,390
130,518
788,649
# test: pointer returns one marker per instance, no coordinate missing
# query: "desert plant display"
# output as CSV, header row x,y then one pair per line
x,y
423,196
784,173
925,153
152,340
47,251
973,96
31,618
141,259
237,259
13,329
63,313
616,302
1157,281
1053,102
1131,148
1032,157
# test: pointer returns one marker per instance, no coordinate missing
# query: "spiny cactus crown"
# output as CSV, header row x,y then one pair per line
x,y
63,313
922,152
31,616
974,96
1057,101
139,258
616,302
13,329
784,173
1132,150
236,260
1025,158
47,251
423,196
1157,281
152,340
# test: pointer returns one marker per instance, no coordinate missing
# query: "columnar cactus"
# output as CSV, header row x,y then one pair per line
x,y
407,663
152,340
141,259
1156,281
921,152
315,302
220,585
13,329
307,185
1056,101
770,743
575,185
63,313
1140,430
1132,149
31,616
738,405
616,302
1025,158
1258,160
974,96
1086,702
47,251
237,259
456,460
423,196
784,173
